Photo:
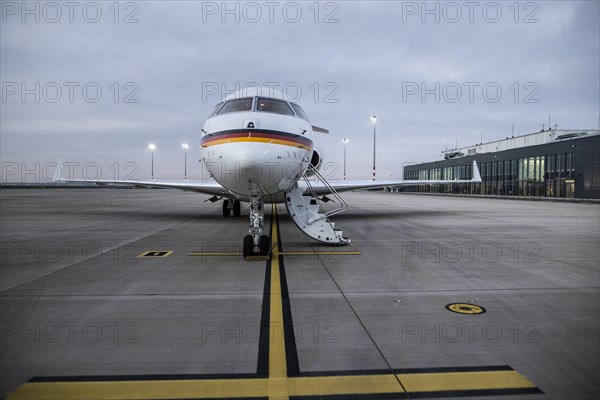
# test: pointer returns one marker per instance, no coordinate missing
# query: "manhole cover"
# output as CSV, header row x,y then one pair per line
x,y
465,308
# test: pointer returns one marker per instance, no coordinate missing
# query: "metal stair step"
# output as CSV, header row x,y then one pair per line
x,y
309,218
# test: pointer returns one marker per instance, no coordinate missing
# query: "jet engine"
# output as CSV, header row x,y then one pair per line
x,y
316,162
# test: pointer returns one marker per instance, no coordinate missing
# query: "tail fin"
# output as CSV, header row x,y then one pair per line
x,y
58,176
476,174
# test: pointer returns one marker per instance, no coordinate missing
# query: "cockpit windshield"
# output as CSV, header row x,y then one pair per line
x,y
264,104
214,111
299,111
274,106
236,105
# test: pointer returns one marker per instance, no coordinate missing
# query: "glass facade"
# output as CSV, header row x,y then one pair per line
x,y
563,169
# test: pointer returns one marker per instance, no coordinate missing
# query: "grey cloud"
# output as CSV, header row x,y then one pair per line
x,y
367,55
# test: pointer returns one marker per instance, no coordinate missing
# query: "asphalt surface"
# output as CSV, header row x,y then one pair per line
x,y
76,300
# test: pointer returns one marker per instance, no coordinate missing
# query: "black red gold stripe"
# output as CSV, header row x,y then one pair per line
x,y
258,135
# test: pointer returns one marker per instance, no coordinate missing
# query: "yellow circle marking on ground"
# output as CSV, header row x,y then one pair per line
x,y
465,308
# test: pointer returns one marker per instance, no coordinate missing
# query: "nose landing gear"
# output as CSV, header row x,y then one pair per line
x,y
256,244
249,251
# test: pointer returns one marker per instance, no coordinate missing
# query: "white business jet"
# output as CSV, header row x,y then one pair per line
x,y
259,148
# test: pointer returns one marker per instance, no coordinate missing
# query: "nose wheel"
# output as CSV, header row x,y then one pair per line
x,y
256,244
249,246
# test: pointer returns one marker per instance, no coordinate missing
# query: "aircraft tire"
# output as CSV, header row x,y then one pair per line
x,y
237,208
264,245
248,246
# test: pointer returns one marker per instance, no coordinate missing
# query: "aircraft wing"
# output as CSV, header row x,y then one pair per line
x,y
202,186
347,185
215,189
207,187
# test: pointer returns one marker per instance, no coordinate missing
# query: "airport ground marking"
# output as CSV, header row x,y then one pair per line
x,y
278,384
216,254
156,253
367,385
281,253
283,379
320,253
465,308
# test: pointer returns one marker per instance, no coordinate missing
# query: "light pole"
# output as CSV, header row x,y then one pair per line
x,y
185,147
152,146
345,140
374,119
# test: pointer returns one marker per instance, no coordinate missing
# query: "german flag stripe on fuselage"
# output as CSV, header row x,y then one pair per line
x,y
256,135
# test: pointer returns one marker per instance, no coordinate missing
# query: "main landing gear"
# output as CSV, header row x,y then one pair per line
x,y
256,244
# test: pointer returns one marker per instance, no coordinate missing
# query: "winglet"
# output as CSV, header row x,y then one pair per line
x,y
58,176
476,174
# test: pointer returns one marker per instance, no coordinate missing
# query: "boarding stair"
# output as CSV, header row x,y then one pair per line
x,y
306,209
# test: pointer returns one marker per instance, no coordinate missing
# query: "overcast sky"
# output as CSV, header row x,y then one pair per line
x,y
435,75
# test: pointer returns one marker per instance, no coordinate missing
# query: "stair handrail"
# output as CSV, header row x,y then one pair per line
x,y
343,205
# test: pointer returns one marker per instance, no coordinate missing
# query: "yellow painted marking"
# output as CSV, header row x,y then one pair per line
x,y
278,382
276,386
199,253
443,381
326,253
283,253
337,385
175,389
465,308
258,258
163,253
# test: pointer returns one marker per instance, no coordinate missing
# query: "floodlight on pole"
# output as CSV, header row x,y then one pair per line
x,y
374,119
185,147
152,147
345,140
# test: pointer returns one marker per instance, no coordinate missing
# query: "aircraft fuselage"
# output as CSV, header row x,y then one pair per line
x,y
254,152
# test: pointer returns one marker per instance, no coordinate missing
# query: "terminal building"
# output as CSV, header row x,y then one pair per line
x,y
550,163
